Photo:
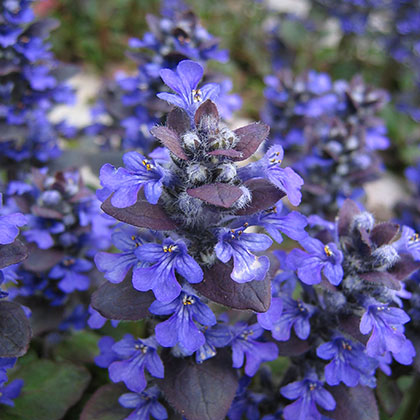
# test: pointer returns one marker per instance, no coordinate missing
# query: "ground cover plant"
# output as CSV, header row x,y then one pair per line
x,y
227,228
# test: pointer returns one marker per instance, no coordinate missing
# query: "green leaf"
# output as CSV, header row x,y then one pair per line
x,y
389,395
80,347
49,390
104,405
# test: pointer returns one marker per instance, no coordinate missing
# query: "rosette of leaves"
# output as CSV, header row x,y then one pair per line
x,y
348,320
184,246
130,102
332,131
31,82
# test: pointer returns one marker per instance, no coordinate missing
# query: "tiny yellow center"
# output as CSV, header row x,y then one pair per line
x,y
147,164
197,95
328,251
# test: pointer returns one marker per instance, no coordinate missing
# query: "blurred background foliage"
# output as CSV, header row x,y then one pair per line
x,y
94,33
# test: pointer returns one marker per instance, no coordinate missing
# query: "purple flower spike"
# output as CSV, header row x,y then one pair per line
x,y
236,244
349,363
184,82
180,327
308,393
244,343
11,391
285,313
137,355
145,404
126,182
69,271
386,324
160,277
319,258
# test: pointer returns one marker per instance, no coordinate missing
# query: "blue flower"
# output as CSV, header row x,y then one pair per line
x,y
137,355
160,277
349,363
244,343
216,336
285,313
145,404
116,266
286,179
69,271
10,391
319,258
180,327
409,242
184,82
386,324
107,354
126,182
308,393
9,224
236,244
274,221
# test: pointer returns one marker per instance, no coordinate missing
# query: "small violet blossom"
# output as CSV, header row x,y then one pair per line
x,y
216,336
145,404
244,343
184,82
349,363
137,355
180,327
308,393
116,266
386,324
168,257
107,354
285,313
10,391
236,244
69,271
318,258
125,183
409,242
9,224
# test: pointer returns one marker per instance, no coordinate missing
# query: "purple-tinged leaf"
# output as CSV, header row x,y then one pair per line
x,y
250,138
388,393
41,260
226,152
199,391
121,301
206,108
384,233
42,28
264,196
142,214
381,278
293,347
178,121
346,215
218,194
354,403
350,326
15,330
104,405
169,139
404,267
218,286
12,253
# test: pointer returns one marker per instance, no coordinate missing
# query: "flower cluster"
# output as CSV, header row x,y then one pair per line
x,y
64,230
331,130
191,210
130,101
30,84
351,323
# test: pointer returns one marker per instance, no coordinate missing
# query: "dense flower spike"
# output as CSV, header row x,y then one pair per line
x,y
30,81
130,101
330,130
